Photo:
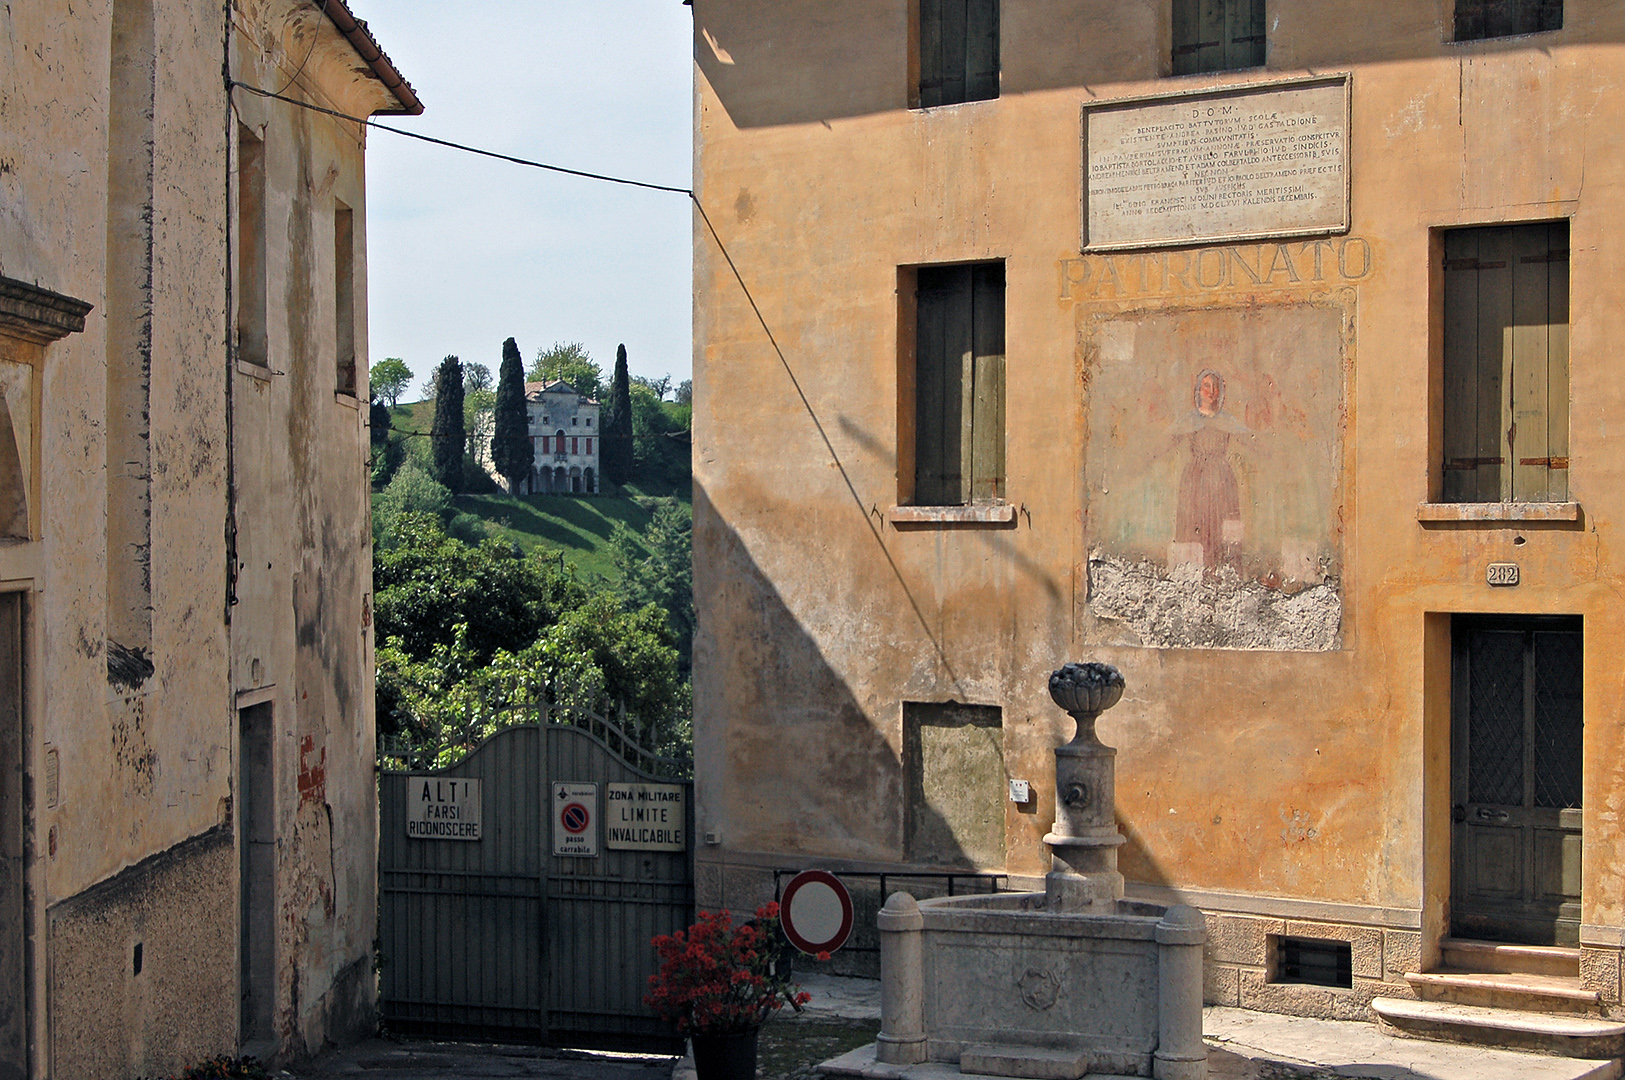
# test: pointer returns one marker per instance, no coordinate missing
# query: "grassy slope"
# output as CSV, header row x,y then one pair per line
x,y
577,525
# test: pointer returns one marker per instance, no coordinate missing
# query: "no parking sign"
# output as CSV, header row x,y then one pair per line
x,y
575,819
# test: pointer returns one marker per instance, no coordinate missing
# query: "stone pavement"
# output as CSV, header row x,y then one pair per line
x,y
1243,1045
379,1059
1247,1045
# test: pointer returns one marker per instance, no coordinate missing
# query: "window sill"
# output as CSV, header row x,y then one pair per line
x,y
349,401
261,372
1498,511
974,514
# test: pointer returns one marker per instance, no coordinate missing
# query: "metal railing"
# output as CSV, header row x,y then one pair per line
x,y
994,883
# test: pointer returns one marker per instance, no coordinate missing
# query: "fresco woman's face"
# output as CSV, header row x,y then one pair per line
x,y
1209,394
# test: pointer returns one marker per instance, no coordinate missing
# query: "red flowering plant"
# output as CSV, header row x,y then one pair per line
x,y
720,979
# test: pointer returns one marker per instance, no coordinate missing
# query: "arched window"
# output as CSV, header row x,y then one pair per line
x,y
558,447
588,481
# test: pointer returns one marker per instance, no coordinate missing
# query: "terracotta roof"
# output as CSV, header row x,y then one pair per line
x,y
366,46
555,386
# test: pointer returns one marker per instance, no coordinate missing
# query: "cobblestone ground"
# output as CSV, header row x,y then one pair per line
x,y
378,1059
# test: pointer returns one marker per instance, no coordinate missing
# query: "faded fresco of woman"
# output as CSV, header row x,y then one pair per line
x,y
1208,513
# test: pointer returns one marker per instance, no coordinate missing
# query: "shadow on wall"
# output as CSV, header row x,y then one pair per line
x,y
790,762
804,61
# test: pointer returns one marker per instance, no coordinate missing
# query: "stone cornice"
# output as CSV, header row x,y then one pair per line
x,y
39,315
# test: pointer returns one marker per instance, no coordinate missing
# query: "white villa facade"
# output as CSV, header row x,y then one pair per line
x,y
565,438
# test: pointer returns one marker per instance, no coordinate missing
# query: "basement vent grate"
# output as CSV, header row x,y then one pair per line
x,y
1315,962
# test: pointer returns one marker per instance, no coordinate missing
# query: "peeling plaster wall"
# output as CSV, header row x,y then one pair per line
x,y
1280,740
135,835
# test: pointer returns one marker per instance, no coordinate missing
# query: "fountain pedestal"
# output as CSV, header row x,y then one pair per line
x,y
1050,985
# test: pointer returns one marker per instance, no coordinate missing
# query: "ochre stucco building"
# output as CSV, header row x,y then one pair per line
x,y
188,821
1272,362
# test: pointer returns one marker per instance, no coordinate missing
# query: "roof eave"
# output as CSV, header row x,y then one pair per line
x,y
366,47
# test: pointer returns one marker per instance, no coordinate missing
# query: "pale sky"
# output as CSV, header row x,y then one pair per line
x,y
466,251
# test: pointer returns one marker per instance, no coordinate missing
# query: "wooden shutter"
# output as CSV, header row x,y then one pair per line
x,y
981,50
959,385
959,51
941,344
1476,19
987,382
1506,364
1217,35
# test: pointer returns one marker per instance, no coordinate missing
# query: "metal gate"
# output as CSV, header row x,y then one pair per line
x,y
500,939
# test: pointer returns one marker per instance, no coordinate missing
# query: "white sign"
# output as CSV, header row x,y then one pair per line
x,y
1232,165
443,808
644,817
575,819
1501,573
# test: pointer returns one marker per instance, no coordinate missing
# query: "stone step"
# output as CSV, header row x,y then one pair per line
x,y
1463,954
1541,1032
1527,993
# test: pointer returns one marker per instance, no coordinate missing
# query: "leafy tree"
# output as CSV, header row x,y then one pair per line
x,y
595,656
389,379
447,432
685,392
658,569
616,450
412,491
479,399
570,361
387,449
511,449
429,583
660,386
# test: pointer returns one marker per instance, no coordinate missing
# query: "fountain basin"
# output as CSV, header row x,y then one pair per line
x,y
1004,985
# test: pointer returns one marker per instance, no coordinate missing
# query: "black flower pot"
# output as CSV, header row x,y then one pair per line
x,y
725,1057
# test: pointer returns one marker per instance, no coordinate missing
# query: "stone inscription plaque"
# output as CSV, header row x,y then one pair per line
x,y
1240,164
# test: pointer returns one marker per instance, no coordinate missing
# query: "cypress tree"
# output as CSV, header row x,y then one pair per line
x,y
447,433
617,448
511,450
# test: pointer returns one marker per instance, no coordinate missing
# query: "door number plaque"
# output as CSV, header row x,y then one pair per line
x,y
1501,573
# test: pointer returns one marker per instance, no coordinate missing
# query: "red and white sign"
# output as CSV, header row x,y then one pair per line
x,y
816,912
575,819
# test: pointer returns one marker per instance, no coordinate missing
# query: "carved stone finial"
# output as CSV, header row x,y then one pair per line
x,y
1089,688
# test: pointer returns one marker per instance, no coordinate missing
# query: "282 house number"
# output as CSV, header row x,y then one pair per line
x,y
1501,573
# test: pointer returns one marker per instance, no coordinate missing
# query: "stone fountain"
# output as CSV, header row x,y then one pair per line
x,y
1057,985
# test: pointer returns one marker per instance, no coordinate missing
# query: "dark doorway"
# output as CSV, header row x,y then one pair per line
x,y
1516,778
257,865
13,900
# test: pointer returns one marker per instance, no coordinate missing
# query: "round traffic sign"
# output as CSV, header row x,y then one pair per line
x,y
574,818
816,912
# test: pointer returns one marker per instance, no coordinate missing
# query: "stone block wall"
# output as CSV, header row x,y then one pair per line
x,y
1241,965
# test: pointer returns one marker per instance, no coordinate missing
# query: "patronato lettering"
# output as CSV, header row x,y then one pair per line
x,y
1175,273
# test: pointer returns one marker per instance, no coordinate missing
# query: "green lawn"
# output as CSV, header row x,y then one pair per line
x,y
577,525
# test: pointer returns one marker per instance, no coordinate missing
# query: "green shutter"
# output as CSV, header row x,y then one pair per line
x,y
981,50
1505,435
987,397
958,51
1217,35
959,385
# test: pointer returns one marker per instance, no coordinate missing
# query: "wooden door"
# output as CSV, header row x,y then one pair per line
x,y
1516,780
